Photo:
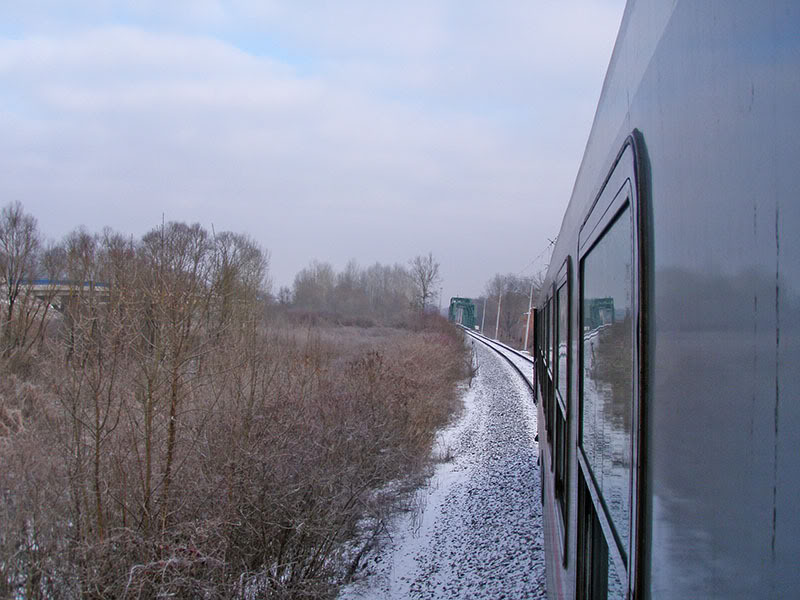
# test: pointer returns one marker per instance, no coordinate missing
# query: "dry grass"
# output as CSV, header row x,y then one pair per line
x,y
279,441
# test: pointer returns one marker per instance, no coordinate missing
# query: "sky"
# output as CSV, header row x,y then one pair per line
x,y
374,131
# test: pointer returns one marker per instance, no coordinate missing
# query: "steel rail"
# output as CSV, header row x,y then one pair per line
x,y
503,351
489,340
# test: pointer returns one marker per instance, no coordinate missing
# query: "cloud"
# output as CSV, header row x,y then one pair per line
x,y
372,131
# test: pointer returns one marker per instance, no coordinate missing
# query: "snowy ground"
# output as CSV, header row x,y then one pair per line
x,y
523,362
525,365
478,531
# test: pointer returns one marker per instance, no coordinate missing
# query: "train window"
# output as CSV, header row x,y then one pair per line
x,y
559,408
607,402
536,316
598,578
609,396
543,347
542,370
548,373
539,341
538,348
551,341
560,469
548,325
563,334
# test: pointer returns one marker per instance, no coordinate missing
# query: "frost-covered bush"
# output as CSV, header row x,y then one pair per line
x,y
169,440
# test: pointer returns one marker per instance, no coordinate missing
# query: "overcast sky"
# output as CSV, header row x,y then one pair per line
x,y
325,130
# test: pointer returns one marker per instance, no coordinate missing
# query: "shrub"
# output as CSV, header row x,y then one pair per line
x,y
284,435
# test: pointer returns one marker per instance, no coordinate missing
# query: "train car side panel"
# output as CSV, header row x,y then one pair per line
x,y
712,89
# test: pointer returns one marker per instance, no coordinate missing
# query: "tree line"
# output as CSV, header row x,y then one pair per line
x,y
378,293
164,432
509,296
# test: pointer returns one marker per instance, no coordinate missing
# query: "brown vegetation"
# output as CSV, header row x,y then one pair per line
x,y
170,434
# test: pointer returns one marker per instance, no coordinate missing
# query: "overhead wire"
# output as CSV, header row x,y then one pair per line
x,y
549,246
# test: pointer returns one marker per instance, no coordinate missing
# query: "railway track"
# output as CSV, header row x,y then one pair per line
x,y
522,363
477,532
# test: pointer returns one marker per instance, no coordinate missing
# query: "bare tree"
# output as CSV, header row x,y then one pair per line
x,y
284,295
515,293
382,292
350,295
424,271
239,276
19,242
178,441
177,295
20,246
88,387
314,285
388,288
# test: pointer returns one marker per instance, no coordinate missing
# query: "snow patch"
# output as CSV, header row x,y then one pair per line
x,y
477,529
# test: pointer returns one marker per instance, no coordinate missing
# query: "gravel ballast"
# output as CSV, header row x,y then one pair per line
x,y
477,533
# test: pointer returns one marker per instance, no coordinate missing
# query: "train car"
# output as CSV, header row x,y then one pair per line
x,y
462,311
667,330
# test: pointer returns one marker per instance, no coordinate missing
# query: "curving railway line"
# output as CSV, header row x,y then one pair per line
x,y
522,363
478,530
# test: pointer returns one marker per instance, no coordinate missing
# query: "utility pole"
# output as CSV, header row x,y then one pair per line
x,y
528,321
483,316
497,323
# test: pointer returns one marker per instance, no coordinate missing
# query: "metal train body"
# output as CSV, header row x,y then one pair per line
x,y
668,328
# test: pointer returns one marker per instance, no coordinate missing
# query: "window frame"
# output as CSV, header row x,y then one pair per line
x,y
548,374
537,337
624,187
559,411
563,280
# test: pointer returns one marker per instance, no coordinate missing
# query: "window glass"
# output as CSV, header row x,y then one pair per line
x,y
549,335
549,375
607,373
616,589
563,375
561,487
598,577
552,334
